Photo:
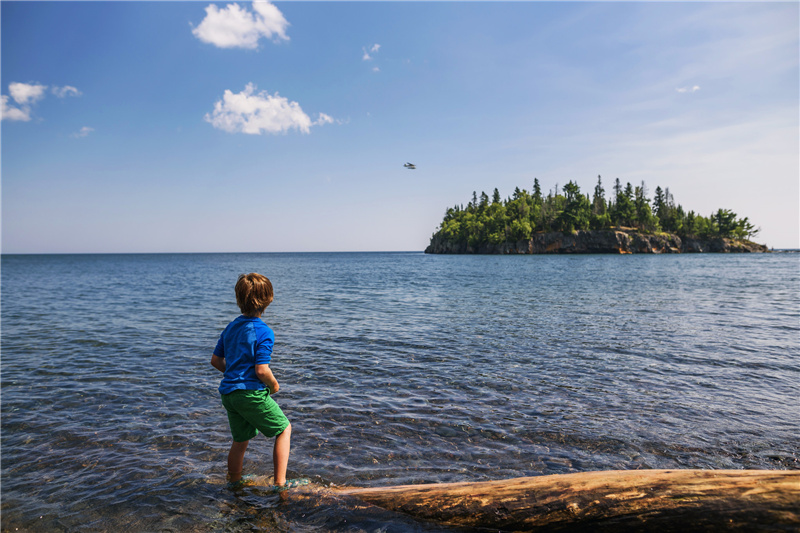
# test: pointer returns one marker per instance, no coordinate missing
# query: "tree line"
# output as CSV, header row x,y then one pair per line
x,y
495,220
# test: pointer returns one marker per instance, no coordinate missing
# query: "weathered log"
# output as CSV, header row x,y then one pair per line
x,y
628,500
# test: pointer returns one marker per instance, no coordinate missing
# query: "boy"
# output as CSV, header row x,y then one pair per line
x,y
242,354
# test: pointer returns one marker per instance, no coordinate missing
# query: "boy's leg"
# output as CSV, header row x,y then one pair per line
x,y
241,431
236,460
280,455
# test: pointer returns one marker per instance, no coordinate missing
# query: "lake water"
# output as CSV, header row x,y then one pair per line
x,y
395,368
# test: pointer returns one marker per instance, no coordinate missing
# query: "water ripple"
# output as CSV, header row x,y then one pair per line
x,y
395,368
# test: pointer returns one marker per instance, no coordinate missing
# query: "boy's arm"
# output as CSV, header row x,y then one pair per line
x,y
218,363
264,373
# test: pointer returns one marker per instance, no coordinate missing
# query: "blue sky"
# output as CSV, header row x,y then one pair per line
x,y
214,127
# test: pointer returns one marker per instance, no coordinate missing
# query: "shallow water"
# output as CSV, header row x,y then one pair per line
x,y
394,368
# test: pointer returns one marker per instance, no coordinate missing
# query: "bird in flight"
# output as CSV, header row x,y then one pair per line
x,y
410,166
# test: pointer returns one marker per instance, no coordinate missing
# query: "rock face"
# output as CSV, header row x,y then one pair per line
x,y
599,242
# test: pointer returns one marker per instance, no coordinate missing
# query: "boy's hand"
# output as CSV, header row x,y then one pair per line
x,y
264,373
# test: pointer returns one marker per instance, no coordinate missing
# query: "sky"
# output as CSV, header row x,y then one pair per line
x,y
134,127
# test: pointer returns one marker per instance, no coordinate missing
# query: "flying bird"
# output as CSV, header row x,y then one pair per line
x,y
410,166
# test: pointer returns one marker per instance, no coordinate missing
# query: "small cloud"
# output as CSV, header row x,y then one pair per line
x,y
323,119
83,132
66,90
692,89
237,27
14,113
24,95
371,50
256,113
376,69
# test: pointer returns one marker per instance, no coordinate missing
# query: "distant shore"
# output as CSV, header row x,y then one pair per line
x,y
610,241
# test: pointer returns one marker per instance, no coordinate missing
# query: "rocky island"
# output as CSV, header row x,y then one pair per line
x,y
574,223
611,241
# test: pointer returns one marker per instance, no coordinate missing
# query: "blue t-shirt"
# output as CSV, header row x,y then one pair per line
x,y
244,343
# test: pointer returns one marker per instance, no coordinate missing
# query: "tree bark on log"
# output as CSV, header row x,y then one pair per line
x,y
622,500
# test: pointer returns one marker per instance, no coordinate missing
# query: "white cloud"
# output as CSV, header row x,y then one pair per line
x,y
256,113
372,49
692,89
26,93
323,119
237,27
376,69
66,90
14,113
83,132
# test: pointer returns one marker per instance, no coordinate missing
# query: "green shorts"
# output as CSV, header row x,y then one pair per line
x,y
251,411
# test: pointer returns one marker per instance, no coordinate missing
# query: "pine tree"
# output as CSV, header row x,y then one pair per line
x,y
496,196
659,203
484,202
644,215
599,200
623,212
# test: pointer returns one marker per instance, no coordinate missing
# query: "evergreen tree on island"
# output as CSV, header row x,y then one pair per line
x,y
497,224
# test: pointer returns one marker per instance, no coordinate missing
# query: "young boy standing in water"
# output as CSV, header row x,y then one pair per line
x,y
243,354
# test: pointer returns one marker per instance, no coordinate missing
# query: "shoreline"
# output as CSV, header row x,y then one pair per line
x,y
610,241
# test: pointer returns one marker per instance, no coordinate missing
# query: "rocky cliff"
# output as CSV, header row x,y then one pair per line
x,y
619,241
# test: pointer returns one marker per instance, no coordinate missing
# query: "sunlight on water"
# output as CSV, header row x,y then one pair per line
x,y
394,369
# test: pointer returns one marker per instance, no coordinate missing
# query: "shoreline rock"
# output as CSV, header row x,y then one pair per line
x,y
611,241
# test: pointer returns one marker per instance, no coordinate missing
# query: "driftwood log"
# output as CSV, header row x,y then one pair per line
x,y
626,500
